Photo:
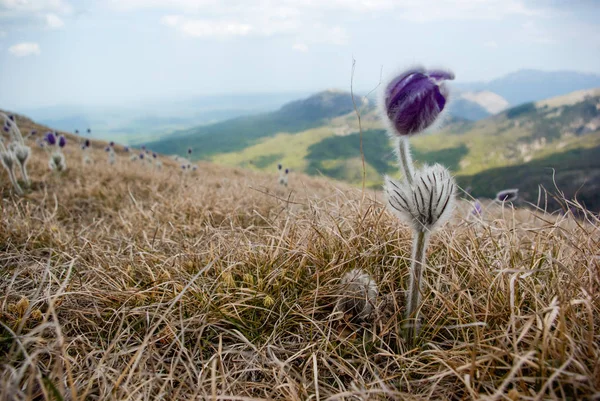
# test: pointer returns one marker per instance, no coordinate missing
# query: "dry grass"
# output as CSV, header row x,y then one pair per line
x,y
126,283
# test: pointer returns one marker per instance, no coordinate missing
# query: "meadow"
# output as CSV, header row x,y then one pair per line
x,y
127,282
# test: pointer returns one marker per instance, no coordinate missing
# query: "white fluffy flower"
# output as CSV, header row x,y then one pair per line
x,y
428,202
57,162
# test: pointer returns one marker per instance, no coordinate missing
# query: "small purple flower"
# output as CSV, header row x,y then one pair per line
x,y
107,149
189,151
126,149
287,170
154,155
477,210
183,166
6,128
62,141
111,144
279,167
50,138
33,132
507,195
141,156
414,99
11,117
87,143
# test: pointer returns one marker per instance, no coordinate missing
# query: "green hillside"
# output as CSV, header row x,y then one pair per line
x,y
238,133
320,136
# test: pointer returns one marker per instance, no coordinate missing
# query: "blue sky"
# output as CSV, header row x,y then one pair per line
x,y
126,51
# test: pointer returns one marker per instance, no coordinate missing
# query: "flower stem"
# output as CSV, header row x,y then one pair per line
x,y
405,160
413,299
25,176
13,179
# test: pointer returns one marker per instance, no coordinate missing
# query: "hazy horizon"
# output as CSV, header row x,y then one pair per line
x,y
88,52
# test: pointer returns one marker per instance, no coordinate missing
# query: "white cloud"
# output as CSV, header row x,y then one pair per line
x,y
199,28
53,21
534,33
301,47
24,49
34,6
417,10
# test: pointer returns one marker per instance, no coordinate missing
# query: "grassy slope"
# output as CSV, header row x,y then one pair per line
x,y
130,283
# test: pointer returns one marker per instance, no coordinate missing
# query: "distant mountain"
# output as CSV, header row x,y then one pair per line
x,y
151,120
515,148
239,133
532,85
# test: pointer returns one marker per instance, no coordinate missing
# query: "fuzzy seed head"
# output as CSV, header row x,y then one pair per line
x,y
413,100
428,202
57,162
508,195
8,159
22,154
358,292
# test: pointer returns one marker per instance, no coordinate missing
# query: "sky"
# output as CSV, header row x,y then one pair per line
x,y
118,52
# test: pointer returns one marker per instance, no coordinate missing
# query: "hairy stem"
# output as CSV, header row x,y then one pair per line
x,y
24,173
413,300
13,179
405,160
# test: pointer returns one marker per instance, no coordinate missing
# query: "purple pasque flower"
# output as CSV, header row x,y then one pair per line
x,y
287,170
126,149
142,156
107,149
62,141
279,167
477,209
189,151
413,100
6,127
33,132
50,138
507,195
87,143
154,155
11,117
111,144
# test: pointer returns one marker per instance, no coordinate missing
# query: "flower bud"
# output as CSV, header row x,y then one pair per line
x,y
413,100
50,138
